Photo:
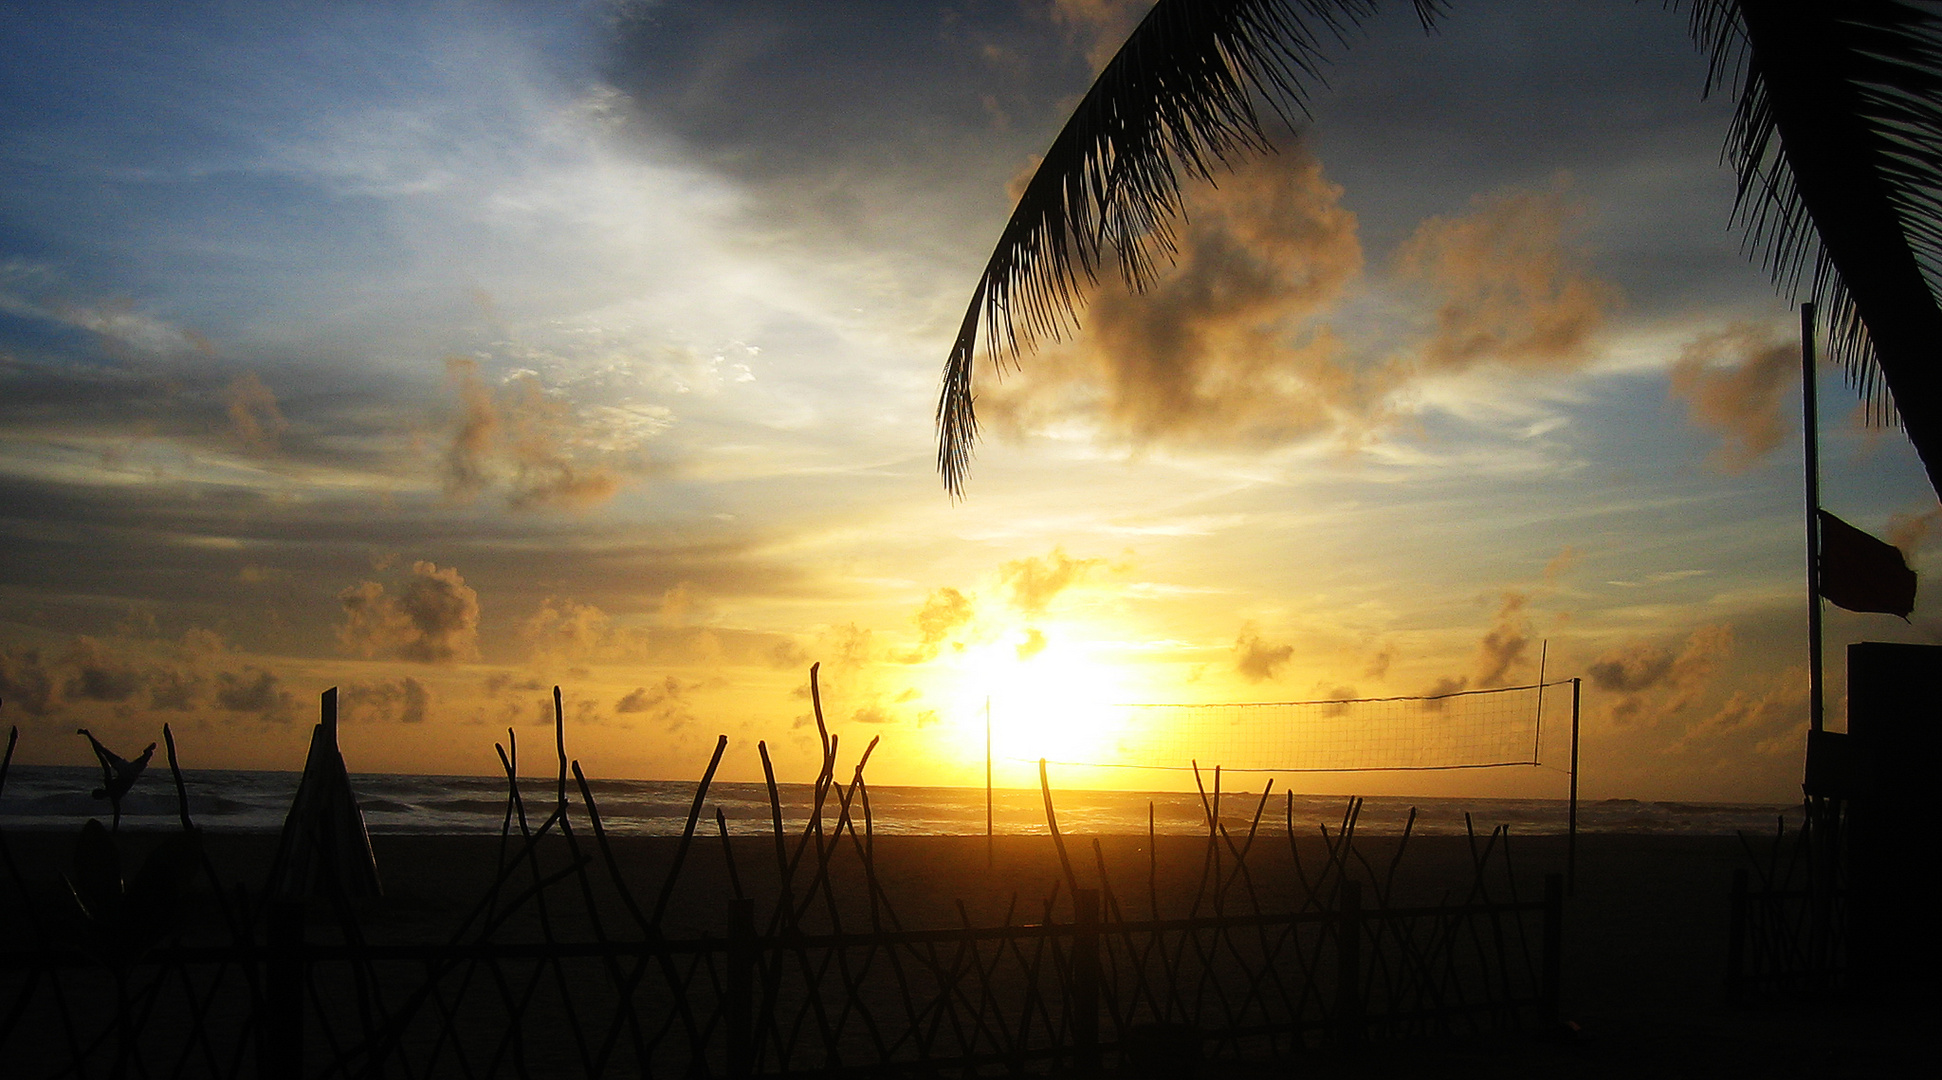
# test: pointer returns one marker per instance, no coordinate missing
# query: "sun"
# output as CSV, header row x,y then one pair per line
x,y
1051,696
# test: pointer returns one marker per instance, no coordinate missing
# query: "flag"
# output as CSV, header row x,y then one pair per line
x,y
1861,573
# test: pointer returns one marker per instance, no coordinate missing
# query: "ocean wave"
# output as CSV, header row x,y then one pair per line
x,y
50,797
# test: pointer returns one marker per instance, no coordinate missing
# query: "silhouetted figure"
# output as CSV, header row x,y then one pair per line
x,y
117,775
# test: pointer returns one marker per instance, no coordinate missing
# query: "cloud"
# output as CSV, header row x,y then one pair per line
x,y
1511,287
1022,179
1736,382
499,682
1910,531
545,452
944,611
254,417
1562,563
434,619
1448,684
1255,658
1034,582
1643,668
26,682
1100,26
189,675
1338,696
123,332
173,689
566,630
1231,347
1033,644
540,433
178,687
1222,350
1380,662
677,605
1765,721
199,644
666,703
403,700
254,690
1504,643
96,674
474,433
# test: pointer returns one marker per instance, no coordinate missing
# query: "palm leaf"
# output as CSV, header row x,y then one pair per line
x,y
1180,96
1837,140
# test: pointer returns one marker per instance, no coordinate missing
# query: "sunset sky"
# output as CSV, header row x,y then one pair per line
x,y
445,352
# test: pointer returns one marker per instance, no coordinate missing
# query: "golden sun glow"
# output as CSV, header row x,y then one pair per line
x,y
1050,697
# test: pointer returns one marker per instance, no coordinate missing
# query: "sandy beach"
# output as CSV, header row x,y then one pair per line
x,y
1644,949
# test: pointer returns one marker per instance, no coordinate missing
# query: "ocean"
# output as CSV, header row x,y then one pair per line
x,y
57,798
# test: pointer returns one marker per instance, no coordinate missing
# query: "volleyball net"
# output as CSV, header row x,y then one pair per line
x,y
1465,729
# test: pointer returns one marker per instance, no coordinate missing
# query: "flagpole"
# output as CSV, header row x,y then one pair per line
x,y
1810,423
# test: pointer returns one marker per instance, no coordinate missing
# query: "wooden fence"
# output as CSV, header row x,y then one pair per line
x,y
1788,928
1078,985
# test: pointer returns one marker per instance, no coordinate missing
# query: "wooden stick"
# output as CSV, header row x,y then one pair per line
x,y
1052,823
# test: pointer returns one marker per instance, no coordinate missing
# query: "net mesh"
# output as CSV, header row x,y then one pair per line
x,y
1471,729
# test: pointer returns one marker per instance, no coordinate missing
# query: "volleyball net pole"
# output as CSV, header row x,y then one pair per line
x,y
1571,826
989,858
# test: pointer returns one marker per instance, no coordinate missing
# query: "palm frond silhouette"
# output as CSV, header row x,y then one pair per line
x,y
1836,140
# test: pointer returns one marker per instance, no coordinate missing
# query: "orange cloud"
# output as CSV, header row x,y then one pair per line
x,y
1736,381
1561,564
547,454
404,701
666,704
566,630
1231,346
539,429
1767,718
1222,349
1512,288
1503,645
1640,668
254,417
478,425
433,619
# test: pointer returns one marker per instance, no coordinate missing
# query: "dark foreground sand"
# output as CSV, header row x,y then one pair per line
x,y
1645,937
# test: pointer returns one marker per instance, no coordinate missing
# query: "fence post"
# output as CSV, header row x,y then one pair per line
x,y
1085,982
740,1006
1553,947
1736,938
1348,963
279,1027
